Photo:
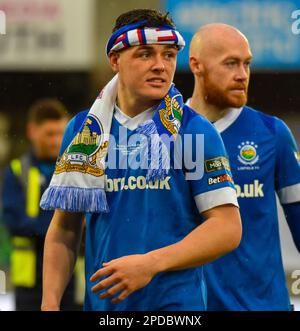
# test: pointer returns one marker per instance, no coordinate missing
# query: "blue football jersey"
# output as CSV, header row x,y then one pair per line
x,y
146,216
264,161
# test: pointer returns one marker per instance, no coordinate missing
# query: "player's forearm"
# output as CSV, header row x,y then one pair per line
x,y
60,252
57,270
207,242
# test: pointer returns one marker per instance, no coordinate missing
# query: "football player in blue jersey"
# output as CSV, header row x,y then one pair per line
x,y
264,160
148,233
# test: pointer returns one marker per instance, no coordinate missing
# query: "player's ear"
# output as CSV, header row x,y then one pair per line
x,y
114,61
196,66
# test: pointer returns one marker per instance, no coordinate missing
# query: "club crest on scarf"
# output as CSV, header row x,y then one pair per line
x,y
86,150
171,115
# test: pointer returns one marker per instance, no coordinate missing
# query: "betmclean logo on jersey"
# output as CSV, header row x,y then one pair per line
x,y
218,163
254,190
135,183
219,179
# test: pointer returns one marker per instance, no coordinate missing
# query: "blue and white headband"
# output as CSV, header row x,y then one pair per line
x,y
137,34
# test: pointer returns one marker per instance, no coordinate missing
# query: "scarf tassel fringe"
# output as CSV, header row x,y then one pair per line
x,y
75,199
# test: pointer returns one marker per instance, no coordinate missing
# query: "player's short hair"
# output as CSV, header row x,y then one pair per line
x,y
152,16
47,109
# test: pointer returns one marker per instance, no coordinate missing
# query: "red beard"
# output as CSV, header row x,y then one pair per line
x,y
225,98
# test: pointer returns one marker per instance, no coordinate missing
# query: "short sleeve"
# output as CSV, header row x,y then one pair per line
x,y
287,176
215,186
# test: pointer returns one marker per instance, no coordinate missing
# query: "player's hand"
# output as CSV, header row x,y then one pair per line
x,y
126,275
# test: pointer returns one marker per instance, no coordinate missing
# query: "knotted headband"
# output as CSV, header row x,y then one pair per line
x,y
137,34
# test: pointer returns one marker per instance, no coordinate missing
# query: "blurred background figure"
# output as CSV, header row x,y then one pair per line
x,y
25,179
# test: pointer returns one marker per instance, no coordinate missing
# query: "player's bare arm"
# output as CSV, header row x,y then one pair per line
x,y
61,248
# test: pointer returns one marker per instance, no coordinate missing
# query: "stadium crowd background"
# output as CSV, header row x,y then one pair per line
x,y
55,48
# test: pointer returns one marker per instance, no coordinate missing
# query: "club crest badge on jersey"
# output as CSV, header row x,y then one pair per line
x,y
171,115
248,155
86,150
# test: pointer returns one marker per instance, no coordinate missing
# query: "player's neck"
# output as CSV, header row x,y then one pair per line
x,y
211,112
132,106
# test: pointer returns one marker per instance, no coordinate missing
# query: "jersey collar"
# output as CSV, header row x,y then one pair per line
x,y
132,123
223,123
